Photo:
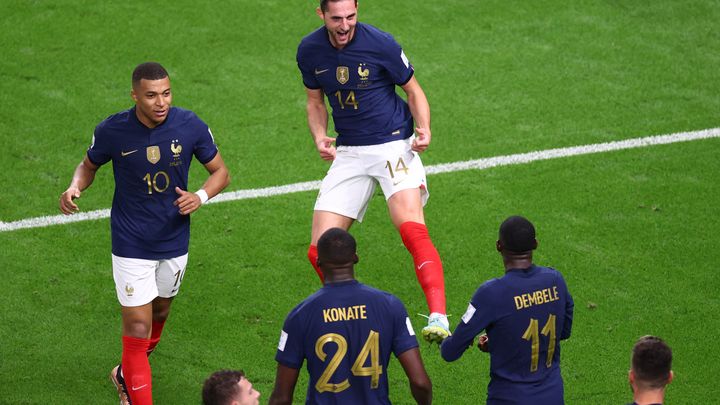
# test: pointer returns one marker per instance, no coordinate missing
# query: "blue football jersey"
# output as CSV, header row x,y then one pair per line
x,y
148,163
346,331
525,314
359,82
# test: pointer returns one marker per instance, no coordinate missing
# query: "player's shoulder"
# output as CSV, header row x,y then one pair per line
x,y
549,272
374,32
115,121
314,40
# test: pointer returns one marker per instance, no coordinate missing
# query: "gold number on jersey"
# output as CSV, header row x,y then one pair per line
x,y
349,100
371,349
399,167
152,182
533,335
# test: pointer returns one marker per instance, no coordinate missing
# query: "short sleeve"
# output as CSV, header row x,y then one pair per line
x,y
396,62
404,338
205,147
290,347
99,151
304,64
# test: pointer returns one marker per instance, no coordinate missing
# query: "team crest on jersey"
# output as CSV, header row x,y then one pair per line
x,y
153,154
342,73
363,72
129,290
176,149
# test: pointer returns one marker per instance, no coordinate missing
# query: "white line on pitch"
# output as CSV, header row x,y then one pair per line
x,y
479,164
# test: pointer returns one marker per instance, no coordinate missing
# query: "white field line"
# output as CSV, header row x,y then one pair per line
x,y
479,164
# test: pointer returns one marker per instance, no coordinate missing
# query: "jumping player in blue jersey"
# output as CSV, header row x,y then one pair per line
x,y
357,67
151,146
346,331
525,314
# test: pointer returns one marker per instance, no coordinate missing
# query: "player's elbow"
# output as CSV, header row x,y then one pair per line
x,y
422,390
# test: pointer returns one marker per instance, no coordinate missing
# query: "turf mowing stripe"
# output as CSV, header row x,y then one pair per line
x,y
479,164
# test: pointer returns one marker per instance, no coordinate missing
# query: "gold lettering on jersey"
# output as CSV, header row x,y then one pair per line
x,y
363,73
153,154
537,297
344,314
342,73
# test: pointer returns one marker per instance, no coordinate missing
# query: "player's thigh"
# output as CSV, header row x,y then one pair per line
x,y
169,275
324,220
396,167
347,188
134,280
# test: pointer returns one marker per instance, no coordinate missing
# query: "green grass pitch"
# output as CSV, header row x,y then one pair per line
x,y
634,231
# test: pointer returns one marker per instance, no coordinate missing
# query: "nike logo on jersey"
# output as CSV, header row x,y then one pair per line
x,y
318,72
134,388
123,154
423,264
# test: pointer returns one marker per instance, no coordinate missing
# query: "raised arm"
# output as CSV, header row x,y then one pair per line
x,y
317,116
82,179
420,110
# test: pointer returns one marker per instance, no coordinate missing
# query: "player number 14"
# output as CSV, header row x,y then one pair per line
x,y
349,100
533,335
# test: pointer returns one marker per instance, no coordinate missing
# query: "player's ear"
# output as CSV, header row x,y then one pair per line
x,y
356,259
133,95
320,13
631,376
535,244
498,245
670,377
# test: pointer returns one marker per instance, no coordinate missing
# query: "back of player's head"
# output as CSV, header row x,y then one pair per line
x,y
517,234
324,4
221,388
148,71
336,246
651,362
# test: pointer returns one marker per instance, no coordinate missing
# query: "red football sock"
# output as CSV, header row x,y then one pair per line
x,y
428,267
136,370
313,257
157,328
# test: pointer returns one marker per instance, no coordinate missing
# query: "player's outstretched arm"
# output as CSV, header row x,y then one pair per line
x,y
82,179
420,110
219,178
285,380
420,384
317,116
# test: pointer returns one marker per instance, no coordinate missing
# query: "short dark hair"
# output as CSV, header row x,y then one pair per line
x,y
222,387
336,246
324,4
517,234
651,361
148,71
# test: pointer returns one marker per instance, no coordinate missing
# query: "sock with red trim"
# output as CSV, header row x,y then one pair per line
x,y
136,370
313,257
428,267
157,328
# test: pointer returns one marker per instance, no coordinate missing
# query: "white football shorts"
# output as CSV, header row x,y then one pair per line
x,y
139,281
350,182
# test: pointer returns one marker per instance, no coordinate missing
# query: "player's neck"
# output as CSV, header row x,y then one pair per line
x,y
517,261
339,276
648,397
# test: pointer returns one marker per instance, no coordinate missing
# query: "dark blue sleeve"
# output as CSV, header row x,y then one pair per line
x,y
99,151
569,307
290,348
404,338
477,317
395,61
205,147
305,65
